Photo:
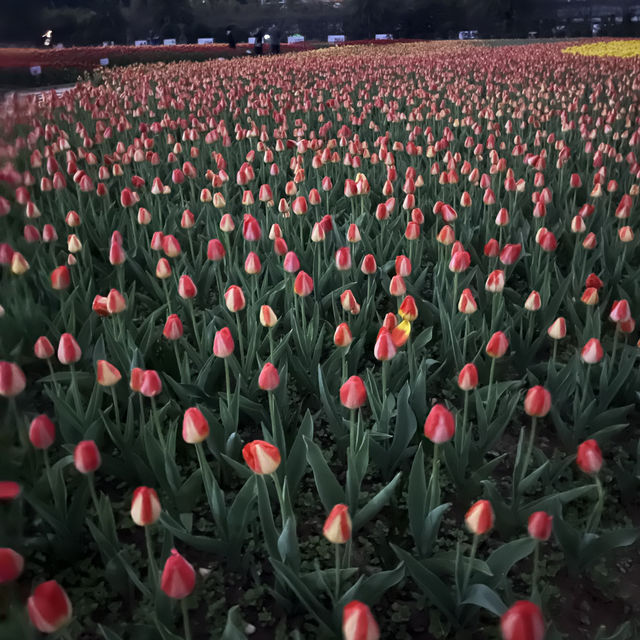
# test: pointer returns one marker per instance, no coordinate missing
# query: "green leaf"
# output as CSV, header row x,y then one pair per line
x,y
329,489
503,558
304,595
297,459
370,589
234,629
417,500
376,503
432,587
483,596
266,519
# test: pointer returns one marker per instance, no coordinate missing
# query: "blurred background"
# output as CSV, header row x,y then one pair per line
x,y
77,22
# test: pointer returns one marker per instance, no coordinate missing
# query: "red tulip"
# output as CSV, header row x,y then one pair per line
x,y
151,384
589,457
460,261
107,374
343,259
479,518
558,329
537,402
492,248
268,318
523,621
49,607
495,281
186,288
145,506
269,379
467,303
353,393
468,377
592,352
303,285
215,250
539,525
291,264
223,344
173,329
60,278
12,379
342,336
234,298
11,565
178,577
384,349
43,348
9,490
195,427
337,526
86,457
116,302
397,287
440,424
261,457
497,345
620,311
368,266
510,253
408,310
358,622
42,432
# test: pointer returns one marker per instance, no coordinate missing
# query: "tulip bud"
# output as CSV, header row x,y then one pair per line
x,y
468,377
173,329
86,457
195,427
107,374
467,303
479,518
60,278
460,261
135,382
358,622
343,259
353,393
261,457
178,577
620,311
397,287
115,302
523,621
539,525
408,310
384,348
592,352
495,281
537,402
440,424
145,506
337,526
342,336
497,345
303,285
151,384
267,316
558,329
269,379
215,250
533,302
186,288
368,266
12,379
19,264
69,350
42,433
589,457
223,344
291,264
11,565
49,607
43,349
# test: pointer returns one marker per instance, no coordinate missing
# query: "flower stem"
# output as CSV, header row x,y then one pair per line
x,y
594,518
185,619
536,568
153,567
337,590
472,556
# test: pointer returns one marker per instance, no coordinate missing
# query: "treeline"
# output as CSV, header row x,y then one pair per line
x,y
123,21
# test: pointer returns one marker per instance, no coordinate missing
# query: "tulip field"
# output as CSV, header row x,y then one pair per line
x,y
336,344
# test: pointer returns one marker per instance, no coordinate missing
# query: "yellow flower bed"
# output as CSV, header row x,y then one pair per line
x,y
609,49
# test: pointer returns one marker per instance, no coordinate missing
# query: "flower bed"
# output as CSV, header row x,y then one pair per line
x,y
332,345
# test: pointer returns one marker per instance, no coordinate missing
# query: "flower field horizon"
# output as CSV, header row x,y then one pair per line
x,y
339,344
